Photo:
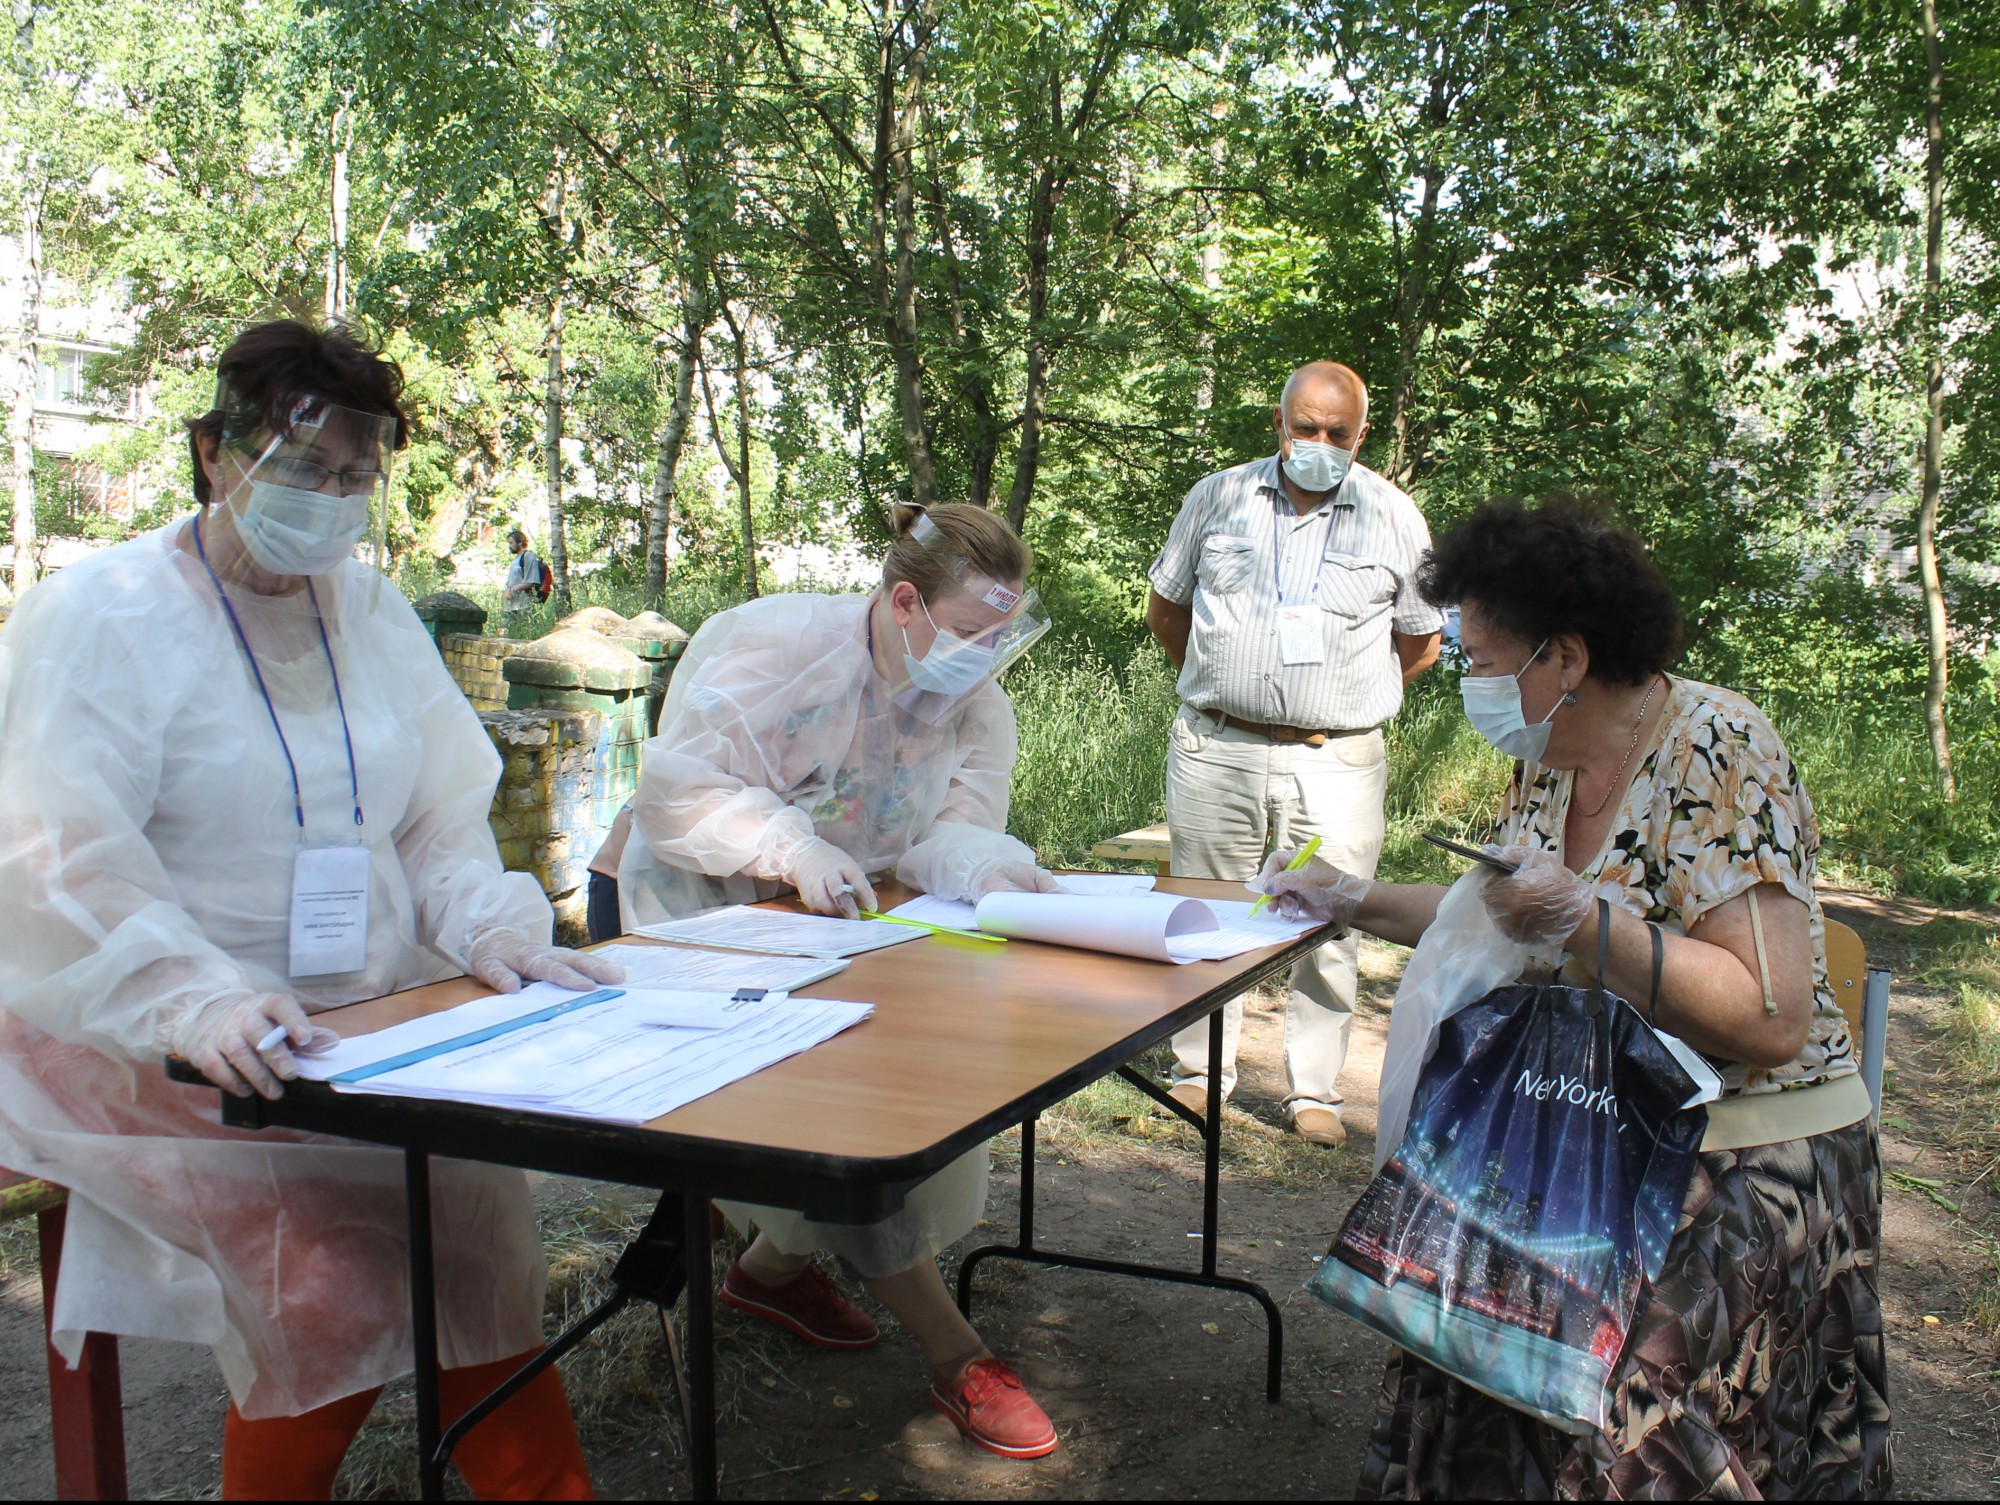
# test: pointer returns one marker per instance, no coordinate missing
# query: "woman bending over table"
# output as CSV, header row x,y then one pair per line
x,y
810,743
237,787
1755,1368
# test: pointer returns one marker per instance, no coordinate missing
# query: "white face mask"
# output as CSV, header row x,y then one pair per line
x,y
952,667
1316,466
1493,706
293,532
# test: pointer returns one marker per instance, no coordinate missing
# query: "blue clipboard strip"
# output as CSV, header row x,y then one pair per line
x,y
476,1037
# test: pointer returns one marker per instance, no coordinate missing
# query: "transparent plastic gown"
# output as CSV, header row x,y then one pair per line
x,y
777,729
147,836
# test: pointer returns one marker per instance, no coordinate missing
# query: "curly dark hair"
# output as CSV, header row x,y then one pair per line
x,y
1561,565
269,367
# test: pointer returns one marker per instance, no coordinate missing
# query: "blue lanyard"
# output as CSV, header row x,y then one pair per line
x,y
353,774
1278,520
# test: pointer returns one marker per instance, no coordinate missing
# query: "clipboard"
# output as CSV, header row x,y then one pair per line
x,y
1470,854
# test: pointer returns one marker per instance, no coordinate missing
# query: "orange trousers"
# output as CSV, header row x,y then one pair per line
x,y
527,1450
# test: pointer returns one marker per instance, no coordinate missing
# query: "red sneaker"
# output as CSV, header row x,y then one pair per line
x,y
810,1307
993,1408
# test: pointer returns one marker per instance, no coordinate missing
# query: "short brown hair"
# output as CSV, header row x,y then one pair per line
x,y
981,538
269,367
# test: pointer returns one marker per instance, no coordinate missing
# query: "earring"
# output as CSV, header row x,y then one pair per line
x,y
1569,697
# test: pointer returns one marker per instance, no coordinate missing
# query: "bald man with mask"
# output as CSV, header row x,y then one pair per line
x,y
1286,599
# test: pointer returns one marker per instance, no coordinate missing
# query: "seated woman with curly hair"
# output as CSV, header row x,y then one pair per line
x,y
1755,1368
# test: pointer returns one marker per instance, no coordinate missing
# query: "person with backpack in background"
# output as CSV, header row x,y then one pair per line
x,y
528,584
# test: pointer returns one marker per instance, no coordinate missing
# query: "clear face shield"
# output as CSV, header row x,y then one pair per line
x,y
981,624
304,500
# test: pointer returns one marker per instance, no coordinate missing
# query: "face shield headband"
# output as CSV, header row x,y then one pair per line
x,y
983,625
315,493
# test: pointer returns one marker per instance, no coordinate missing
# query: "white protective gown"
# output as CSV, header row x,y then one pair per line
x,y
146,845
777,729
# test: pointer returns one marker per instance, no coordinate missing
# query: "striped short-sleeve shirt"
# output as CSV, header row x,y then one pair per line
x,y
1238,551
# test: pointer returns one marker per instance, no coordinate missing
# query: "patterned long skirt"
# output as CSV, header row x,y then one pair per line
x,y
1754,1371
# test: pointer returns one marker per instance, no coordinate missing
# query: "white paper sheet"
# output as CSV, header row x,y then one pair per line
x,y
719,971
1106,884
739,927
625,1060
1139,925
1121,924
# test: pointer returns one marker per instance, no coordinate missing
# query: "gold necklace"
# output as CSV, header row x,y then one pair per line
x,y
1637,726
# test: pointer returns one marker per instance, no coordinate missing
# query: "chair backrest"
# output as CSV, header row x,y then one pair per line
x,y
1847,970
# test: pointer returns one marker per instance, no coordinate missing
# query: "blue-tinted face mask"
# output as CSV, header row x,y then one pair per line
x,y
952,666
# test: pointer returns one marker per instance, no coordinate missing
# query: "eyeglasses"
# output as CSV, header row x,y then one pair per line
x,y
306,475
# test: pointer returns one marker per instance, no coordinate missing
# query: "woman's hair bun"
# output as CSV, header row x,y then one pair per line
x,y
903,516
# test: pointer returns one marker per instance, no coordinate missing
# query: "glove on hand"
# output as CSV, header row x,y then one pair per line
x,y
1015,878
505,959
1317,891
820,871
221,1040
1541,902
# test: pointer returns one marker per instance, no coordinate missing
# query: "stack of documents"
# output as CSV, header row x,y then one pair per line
x,y
738,927
1158,927
620,1055
689,971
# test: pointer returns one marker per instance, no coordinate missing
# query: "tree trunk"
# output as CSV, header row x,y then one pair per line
x,y
552,432
1936,629
27,375
341,137
659,519
1034,395
903,306
742,465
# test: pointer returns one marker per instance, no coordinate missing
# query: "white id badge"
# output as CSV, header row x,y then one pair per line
x,y
1301,638
329,910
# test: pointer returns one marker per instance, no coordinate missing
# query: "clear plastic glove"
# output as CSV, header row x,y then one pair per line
x,y
1317,891
1541,902
505,959
829,881
225,1042
1015,878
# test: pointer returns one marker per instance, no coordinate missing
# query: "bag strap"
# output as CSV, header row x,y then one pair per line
x,y
1763,962
1659,965
1603,953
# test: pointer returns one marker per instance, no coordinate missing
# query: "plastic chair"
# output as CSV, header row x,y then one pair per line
x,y
86,1412
1863,994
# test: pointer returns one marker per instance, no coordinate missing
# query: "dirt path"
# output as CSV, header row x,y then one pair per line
x,y
1157,1389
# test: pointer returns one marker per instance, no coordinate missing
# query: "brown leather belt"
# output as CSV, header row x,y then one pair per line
x,y
1272,733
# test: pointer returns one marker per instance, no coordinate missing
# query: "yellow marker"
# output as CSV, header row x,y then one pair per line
x,y
970,935
1306,854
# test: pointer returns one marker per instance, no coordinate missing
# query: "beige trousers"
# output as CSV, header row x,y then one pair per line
x,y
1232,797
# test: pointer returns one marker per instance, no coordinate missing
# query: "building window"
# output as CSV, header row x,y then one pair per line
x,y
63,383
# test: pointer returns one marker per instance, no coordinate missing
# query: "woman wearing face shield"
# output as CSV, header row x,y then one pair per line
x,y
1756,1364
237,787
812,743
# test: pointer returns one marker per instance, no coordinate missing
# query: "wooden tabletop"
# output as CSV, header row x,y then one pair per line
x,y
963,1034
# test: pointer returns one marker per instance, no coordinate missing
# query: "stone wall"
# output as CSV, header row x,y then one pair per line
x,y
479,664
544,815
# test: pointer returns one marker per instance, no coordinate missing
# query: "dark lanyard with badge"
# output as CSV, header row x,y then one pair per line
x,y
330,882
1301,634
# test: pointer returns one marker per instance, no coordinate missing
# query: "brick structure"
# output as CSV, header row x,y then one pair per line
x,y
569,748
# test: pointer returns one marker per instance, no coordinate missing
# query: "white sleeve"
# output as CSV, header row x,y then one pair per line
x,y
747,716
450,859
95,946
969,839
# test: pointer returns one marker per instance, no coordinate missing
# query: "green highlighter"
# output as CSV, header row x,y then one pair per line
x,y
970,935
1306,854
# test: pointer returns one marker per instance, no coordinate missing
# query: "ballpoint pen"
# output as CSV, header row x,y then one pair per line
x,y
1305,855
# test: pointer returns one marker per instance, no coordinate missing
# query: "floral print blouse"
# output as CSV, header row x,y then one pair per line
x,y
1715,809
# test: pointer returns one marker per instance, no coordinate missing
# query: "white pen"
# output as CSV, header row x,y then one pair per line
x,y
271,1039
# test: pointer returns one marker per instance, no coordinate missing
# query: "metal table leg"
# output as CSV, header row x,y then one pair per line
x,y
1210,1125
423,1321
700,1355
